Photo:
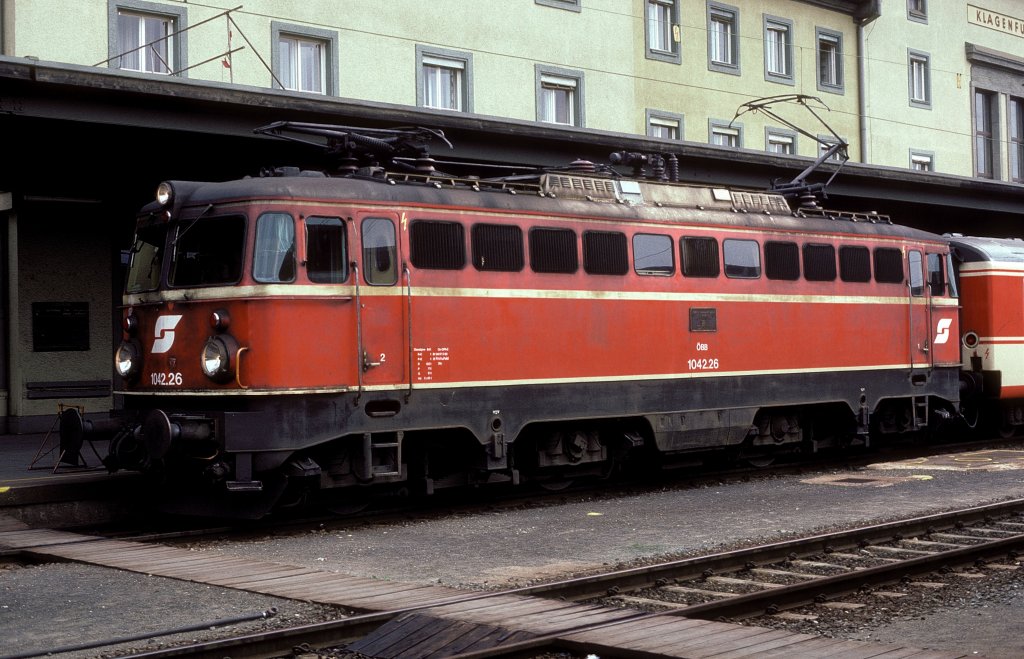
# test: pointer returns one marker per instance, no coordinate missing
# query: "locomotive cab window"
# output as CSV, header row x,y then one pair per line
x,y
699,256
275,249
326,250
888,265
854,264
146,259
497,247
653,255
742,259
915,263
605,253
936,275
819,262
553,250
781,261
380,251
436,245
207,251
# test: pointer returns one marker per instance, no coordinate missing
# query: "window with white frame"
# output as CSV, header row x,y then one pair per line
x,y
919,74
1016,121
148,37
723,40
146,42
780,142
830,61
302,64
664,125
826,142
559,96
778,49
302,59
662,30
444,79
571,5
922,161
986,144
917,10
721,133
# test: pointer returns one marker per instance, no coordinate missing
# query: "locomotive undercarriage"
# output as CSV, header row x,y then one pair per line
x,y
278,448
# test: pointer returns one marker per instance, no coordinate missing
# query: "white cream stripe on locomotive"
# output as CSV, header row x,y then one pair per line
x,y
350,292
523,382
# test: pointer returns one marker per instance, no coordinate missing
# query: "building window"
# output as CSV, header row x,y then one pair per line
x,y
723,39
303,59
778,50
723,133
779,141
917,10
1016,108
826,142
922,161
664,125
146,37
559,96
571,5
919,71
830,61
663,30
444,79
985,145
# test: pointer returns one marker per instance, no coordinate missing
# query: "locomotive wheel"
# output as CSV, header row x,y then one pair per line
x,y
1007,431
760,461
555,485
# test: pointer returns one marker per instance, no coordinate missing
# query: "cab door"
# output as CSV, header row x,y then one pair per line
x,y
919,313
382,313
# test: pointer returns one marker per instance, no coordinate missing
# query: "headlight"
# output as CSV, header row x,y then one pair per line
x,y
164,193
127,360
217,358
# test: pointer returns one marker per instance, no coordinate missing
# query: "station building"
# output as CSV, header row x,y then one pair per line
x,y
102,99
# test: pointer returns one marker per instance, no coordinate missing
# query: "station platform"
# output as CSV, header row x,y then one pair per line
x,y
40,488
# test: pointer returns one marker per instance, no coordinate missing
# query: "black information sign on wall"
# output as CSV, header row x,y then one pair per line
x,y
60,326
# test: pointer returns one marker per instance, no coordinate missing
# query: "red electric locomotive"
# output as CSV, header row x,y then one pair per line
x,y
377,326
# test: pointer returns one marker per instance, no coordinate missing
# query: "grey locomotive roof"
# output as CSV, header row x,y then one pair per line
x,y
557,194
971,248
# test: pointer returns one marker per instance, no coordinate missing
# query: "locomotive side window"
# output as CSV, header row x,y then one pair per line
x,y
275,248
819,262
435,245
497,247
380,251
888,265
326,249
146,260
605,253
781,261
854,264
208,251
742,259
274,259
936,276
653,254
553,250
914,261
700,257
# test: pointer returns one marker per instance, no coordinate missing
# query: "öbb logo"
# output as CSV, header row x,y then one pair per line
x,y
942,330
164,333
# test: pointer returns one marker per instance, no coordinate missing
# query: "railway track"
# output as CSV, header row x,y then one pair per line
x,y
736,584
